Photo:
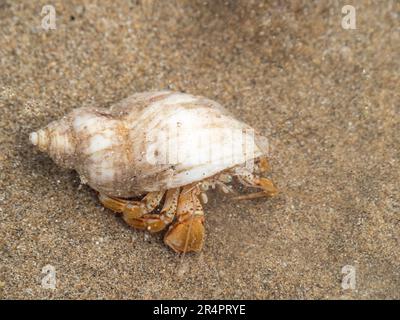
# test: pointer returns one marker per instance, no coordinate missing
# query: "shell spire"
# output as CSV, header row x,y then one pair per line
x,y
56,140
40,139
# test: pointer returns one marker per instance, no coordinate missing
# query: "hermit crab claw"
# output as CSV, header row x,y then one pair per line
x,y
267,186
186,236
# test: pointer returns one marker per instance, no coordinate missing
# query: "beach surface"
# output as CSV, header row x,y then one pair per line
x,y
326,97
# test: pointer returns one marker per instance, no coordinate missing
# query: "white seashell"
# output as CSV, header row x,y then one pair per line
x,y
149,141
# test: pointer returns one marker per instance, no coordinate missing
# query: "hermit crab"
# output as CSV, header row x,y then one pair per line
x,y
159,149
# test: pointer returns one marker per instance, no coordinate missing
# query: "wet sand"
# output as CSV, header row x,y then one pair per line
x,y
326,97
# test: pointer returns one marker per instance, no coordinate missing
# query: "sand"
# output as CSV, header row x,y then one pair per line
x,y
326,97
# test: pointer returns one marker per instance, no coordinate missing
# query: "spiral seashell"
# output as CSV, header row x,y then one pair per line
x,y
149,141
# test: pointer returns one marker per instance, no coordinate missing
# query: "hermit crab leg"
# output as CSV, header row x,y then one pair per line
x,y
251,180
187,234
154,222
116,204
132,211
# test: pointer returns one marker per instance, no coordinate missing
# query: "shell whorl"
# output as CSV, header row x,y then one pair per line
x,y
40,139
57,140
